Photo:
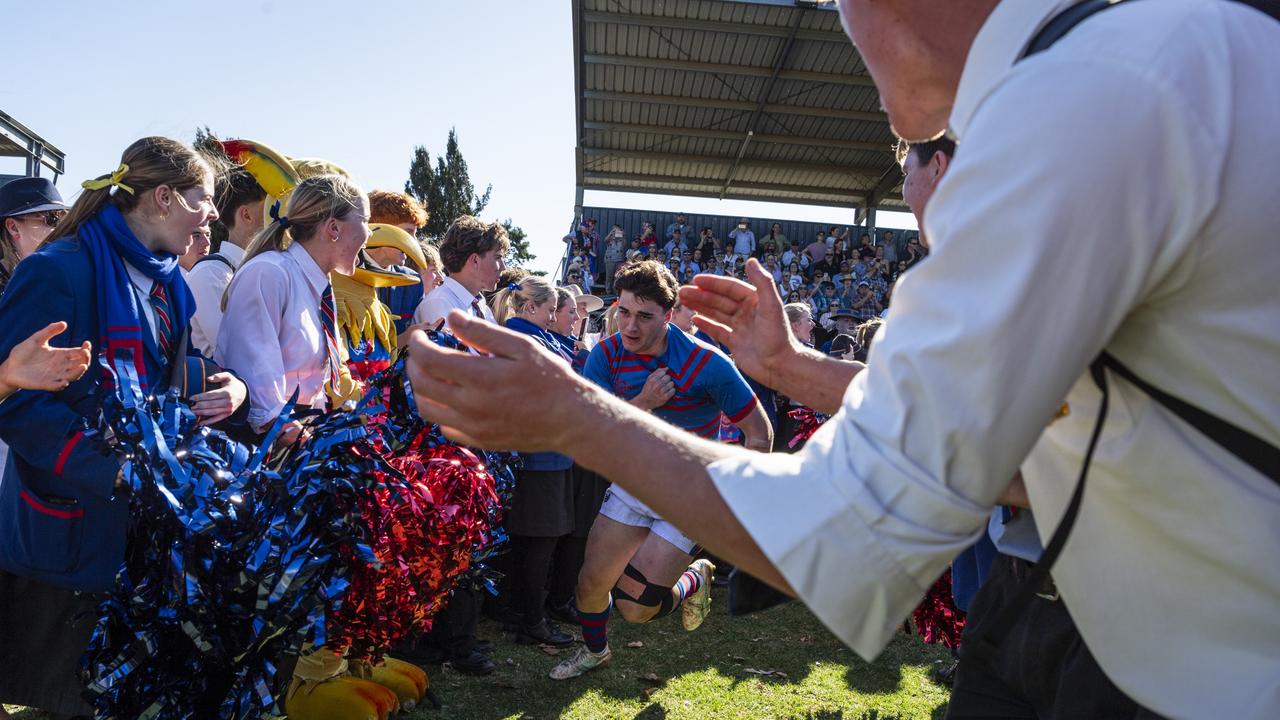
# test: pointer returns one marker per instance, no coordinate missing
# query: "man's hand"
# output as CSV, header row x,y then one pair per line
x,y
746,319
517,397
657,390
35,365
218,405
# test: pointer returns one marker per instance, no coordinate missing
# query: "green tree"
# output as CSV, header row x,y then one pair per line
x,y
207,142
519,254
445,189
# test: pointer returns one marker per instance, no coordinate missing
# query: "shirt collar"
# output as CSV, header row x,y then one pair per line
x,y
995,49
231,252
316,278
463,295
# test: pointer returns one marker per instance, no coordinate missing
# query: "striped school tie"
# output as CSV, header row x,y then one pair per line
x,y
328,318
159,299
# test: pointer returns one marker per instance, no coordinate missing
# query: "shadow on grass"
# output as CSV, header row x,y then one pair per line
x,y
782,658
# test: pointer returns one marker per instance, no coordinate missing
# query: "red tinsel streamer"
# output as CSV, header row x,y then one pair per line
x,y
937,618
421,539
807,422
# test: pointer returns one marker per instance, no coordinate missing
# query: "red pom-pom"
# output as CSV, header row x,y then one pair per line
x,y
937,618
421,531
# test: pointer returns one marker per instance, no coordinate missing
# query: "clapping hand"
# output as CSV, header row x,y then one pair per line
x,y
746,318
33,364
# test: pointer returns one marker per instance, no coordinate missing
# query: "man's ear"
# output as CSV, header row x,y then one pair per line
x,y
939,165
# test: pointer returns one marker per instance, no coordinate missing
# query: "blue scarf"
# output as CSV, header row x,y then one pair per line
x,y
111,244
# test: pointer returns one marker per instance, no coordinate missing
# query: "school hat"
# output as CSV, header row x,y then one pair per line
x,y
29,195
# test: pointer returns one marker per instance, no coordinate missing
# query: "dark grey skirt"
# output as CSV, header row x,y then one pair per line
x,y
588,495
541,504
43,632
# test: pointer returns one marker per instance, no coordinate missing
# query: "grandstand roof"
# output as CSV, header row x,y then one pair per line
x,y
749,100
17,140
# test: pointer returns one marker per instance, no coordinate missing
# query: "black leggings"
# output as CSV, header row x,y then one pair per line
x,y
530,566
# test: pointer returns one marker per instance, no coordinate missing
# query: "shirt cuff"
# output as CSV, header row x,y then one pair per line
x,y
821,545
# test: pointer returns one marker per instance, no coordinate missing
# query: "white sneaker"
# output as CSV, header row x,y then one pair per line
x,y
698,605
581,661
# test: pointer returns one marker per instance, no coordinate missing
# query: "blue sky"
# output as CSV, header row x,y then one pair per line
x,y
360,84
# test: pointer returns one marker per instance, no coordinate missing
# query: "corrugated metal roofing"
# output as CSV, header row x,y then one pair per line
x,y
742,99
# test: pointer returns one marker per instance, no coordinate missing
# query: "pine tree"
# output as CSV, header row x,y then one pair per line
x,y
519,254
445,190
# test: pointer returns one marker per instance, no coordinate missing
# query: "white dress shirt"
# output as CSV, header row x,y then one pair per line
x,y
208,281
1131,175
272,335
449,295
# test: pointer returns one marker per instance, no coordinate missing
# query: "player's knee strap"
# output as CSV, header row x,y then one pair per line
x,y
652,596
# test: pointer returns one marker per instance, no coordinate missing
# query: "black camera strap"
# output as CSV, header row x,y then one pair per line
x,y
1253,450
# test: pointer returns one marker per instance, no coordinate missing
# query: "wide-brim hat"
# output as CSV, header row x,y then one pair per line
x,y
29,195
590,302
843,313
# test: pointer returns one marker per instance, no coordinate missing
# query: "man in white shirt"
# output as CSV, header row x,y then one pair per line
x,y
744,241
1151,120
240,201
472,252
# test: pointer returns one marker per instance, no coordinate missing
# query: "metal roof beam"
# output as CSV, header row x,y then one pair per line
x,y
714,183
865,172
732,28
731,135
742,105
888,181
728,69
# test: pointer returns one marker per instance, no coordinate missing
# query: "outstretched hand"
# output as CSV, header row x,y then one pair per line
x,y
746,318
516,397
33,364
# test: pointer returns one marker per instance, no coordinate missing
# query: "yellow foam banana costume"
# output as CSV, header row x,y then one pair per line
x,y
323,687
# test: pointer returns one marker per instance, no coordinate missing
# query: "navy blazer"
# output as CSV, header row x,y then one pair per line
x,y
60,520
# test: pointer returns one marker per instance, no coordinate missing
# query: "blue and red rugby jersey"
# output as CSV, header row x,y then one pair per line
x,y
707,383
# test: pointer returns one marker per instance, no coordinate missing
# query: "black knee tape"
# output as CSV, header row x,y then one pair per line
x,y
652,595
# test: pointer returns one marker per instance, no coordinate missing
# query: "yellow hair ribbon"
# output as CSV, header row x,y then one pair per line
x,y
112,179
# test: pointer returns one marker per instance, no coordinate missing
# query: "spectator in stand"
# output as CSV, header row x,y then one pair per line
x,y
916,251
790,255
899,269
688,266
826,264
865,306
717,267
676,246
879,279
708,243
678,225
744,241
887,247
841,249
574,275
653,252
771,267
615,251
816,250
775,241
647,236
674,265
866,249
862,267
827,300
848,292
29,210
836,234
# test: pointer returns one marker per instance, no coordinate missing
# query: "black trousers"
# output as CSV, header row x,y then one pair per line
x,y
1043,668
454,627
530,569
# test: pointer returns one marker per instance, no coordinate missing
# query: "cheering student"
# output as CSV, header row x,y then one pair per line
x,y
112,275
657,367
239,200
30,208
542,504
279,328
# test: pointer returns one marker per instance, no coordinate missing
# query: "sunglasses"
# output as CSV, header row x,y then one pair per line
x,y
50,218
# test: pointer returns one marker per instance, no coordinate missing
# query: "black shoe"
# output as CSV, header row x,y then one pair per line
x,y
477,663
420,653
565,613
544,633
945,674
485,646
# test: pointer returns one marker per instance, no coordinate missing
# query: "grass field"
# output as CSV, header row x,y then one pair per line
x,y
781,663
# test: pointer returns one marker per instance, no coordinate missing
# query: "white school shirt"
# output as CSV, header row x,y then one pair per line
x,y
447,296
208,281
1132,172
272,335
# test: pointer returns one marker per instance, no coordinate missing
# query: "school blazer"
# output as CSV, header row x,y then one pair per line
x,y
61,520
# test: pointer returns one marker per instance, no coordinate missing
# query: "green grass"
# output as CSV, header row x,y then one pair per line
x,y
703,674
